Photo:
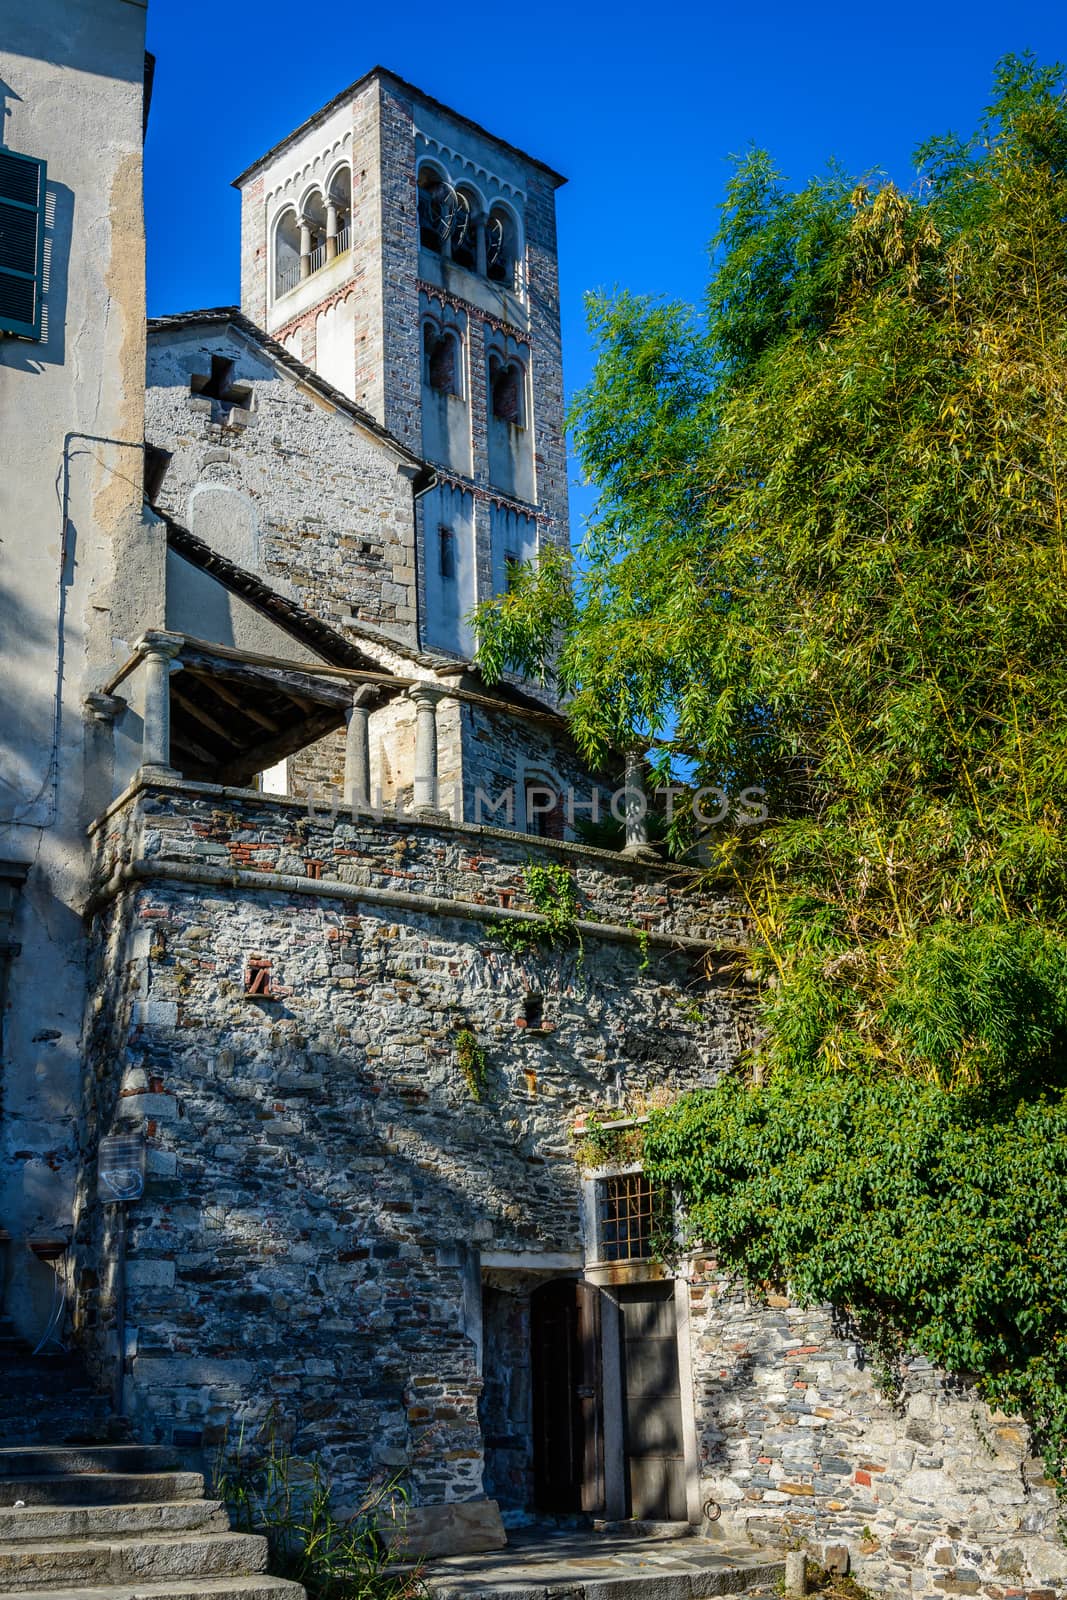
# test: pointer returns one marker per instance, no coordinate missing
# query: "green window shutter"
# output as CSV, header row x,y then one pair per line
x,y
21,243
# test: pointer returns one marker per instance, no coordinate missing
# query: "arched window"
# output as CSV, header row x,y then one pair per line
x,y
442,367
507,391
286,253
545,814
501,247
446,553
339,212
313,218
437,204
464,237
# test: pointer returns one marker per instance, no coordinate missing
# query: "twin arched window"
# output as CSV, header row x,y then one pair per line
x,y
507,390
442,359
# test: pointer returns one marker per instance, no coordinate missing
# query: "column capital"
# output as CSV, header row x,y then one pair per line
x,y
105,707
160,644
427,694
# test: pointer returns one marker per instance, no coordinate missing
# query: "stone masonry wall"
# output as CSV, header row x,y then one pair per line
x,y
326,515
317,1160
933,1494
319,1173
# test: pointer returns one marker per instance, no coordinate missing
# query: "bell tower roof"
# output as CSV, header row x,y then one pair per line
x,y
383,74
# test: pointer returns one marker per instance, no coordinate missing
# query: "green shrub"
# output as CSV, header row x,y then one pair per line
x,y
290,1501
938,1218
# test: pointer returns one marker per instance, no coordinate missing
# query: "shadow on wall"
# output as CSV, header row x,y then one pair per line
x,y
349,1160
33,355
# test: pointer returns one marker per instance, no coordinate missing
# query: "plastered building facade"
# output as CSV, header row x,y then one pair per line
x,y
82,566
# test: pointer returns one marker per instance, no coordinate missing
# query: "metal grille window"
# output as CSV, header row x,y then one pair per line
x,y
22,181
631,1212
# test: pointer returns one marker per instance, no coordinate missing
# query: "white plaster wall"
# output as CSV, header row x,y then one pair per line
x,y
305,165
448,600
335,346
74,589
511,533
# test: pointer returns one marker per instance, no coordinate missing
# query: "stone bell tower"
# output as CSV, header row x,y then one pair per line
x,y
409,258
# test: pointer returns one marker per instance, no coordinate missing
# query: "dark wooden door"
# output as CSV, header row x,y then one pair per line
x,y
567,1406
652,1403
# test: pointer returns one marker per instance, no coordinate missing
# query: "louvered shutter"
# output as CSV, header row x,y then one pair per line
x,y
21,243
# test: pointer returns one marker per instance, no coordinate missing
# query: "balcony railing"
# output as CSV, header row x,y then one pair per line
x,y
289,276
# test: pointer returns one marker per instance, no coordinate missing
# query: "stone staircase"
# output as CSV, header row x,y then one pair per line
x,y
103,1521
92,1518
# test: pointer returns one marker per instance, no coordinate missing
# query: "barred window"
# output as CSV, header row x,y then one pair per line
x,y
631,1215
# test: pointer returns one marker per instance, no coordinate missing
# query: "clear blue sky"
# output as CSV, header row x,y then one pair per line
x,y
640,105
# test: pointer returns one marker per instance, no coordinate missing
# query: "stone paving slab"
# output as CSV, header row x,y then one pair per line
x,y
584,1565
257,1586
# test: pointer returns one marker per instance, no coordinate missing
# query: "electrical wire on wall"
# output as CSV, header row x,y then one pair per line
x,y
50,781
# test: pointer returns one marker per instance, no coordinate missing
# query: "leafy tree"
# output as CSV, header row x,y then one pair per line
x,y
829,558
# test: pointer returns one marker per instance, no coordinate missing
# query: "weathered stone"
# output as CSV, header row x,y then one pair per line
x,y
459,1528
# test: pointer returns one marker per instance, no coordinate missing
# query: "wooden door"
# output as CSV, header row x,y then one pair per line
x,y
567,1406
652,1403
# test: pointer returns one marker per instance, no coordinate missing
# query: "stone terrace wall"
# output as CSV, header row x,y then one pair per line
x,y
318,1169
317,1164
934,1495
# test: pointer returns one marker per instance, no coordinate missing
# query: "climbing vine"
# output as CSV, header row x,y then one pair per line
x,y
472,1061
937,1220
599,1144
554,894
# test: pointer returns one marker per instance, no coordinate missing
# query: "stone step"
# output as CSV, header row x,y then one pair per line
x,y
31,1524
105,1563
248,1586
33,1461
81,1432
101,1488
584,1565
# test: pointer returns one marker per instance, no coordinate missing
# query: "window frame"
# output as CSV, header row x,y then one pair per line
x,y
14,325
502,365
435,333
446,541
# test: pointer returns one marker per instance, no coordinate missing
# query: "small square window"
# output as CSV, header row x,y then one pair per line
x,y
631,1215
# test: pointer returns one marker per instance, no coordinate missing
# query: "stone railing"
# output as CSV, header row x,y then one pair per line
x,y
202,833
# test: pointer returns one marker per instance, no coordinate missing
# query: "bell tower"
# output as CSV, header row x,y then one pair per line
x,y
409,257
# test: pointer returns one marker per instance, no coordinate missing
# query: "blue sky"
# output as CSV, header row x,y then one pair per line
x,y
641,106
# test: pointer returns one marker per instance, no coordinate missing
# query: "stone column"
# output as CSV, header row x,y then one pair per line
x,y
635,814
357,751
305,247
103,712
331,229
480,248
425,698
158,651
